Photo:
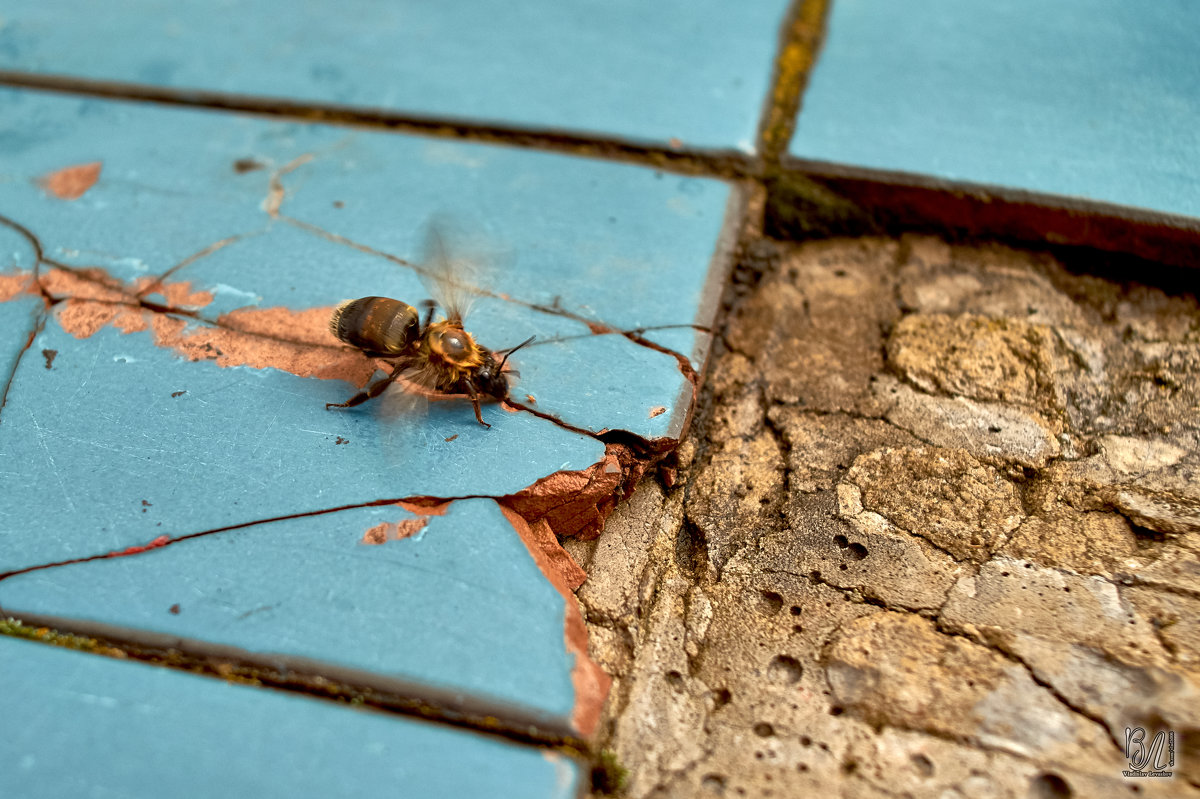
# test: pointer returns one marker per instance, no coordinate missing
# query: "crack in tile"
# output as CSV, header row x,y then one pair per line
x,y
155,284
28,235
37,328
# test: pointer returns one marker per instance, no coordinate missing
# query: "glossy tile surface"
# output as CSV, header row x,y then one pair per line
x,y
693,72
85,725
1095,99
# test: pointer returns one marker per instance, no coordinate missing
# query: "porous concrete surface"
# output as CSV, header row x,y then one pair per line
x,y
935,532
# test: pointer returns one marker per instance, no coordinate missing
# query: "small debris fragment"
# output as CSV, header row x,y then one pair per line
x,y
394,531
657,410
145,505
49,356
178,393
161,541
338,204
341,440
174,609
532,400
244,165
451,438
72,182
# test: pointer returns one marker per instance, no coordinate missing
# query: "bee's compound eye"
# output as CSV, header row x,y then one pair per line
x,y
454,344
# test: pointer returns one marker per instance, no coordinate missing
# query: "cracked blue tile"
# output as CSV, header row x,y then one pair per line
x,y
119,420
1083,98
693,73
459,608
139,731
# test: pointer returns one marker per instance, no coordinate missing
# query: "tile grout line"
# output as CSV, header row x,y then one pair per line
x,y
717,163
296,676
801,36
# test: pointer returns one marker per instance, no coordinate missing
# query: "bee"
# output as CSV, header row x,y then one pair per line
x,y
427,357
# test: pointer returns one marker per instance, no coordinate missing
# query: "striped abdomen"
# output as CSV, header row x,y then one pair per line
x,y
377,324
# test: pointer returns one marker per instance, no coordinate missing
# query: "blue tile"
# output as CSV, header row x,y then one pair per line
x,y
459,608
85,725
696,72
1085,98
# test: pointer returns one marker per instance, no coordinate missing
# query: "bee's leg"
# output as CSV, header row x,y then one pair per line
x,y
373,390
475,403
429,306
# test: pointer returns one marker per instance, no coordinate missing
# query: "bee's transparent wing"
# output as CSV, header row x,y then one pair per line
x,y
452,269
407,398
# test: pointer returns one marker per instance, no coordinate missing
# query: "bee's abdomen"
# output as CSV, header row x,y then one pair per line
x,y
377,324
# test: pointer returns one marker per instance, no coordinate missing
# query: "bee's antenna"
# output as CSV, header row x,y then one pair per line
x,y
511,350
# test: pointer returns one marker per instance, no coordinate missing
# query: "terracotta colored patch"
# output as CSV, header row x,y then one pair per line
x,y
13,284
227,347
658,410
590,682
377,534
310,326
83,284
72,182
425,506
177,294
578,503
393,531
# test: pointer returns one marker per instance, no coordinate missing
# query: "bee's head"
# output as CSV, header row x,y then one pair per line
x,y
491,377
491,380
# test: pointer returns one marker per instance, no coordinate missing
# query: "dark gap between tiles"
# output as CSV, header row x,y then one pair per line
x,y
693,162
816,200
297,675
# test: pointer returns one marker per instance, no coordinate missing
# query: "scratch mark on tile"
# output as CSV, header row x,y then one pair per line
x,y
41,439
252,611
